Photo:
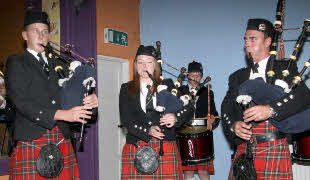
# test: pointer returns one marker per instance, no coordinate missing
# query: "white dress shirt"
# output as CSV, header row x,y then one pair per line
x,y
261,69
35,54
143,94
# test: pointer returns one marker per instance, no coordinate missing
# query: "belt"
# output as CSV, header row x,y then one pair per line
x,y
271,136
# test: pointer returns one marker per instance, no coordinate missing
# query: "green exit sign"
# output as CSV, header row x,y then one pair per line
x,y
115,37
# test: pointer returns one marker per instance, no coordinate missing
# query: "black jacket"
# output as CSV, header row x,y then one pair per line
x,y
133,118
34,96
299,99
202,103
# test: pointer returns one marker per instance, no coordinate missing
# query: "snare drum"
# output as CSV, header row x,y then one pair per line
x,y
195,147
301,146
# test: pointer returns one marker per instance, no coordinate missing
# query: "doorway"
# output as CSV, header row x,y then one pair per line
x,y
112,72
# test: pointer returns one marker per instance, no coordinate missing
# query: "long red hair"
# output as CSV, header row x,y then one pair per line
x,y
135,85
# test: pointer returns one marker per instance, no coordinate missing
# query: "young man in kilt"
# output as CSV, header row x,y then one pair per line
x,y
32,88
271,155
195,74
145,126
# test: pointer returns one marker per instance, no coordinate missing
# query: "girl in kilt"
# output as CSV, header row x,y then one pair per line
x,y
143,124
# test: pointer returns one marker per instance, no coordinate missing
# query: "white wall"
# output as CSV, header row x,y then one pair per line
x,y
212,32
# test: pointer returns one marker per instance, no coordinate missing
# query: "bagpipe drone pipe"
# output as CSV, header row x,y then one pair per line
x,y
75,84
166,98
261,93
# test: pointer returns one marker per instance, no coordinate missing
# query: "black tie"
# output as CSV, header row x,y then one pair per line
x,y
149,101
255,68
44,64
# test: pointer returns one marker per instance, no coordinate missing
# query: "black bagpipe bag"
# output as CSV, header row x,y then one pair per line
x,y
263,93
166,99
73,90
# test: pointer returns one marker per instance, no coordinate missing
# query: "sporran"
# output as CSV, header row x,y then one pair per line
x,y
146,160
50,161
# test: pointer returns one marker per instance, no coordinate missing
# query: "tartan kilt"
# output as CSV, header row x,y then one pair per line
x,y
272,160
208,166
23,158
170,165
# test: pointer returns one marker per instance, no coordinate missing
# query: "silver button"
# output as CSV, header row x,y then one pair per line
x,y
178,114
291,96
227,118
136,126
279,104
38,119
140,127
185,110
228,122
144,130
181,111
150,123
225,115
40,112
285,100
53,102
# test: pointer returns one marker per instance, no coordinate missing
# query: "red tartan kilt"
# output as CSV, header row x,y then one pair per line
x,y
208,166
23,159
274,163
170,166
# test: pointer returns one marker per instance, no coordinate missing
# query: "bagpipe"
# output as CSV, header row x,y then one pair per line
x,y
77,80
187,98
260,93
167,92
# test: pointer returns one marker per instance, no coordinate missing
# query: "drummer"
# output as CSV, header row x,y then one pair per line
x,y
195,74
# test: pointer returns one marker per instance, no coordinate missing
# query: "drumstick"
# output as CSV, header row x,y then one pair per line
x,y
209,125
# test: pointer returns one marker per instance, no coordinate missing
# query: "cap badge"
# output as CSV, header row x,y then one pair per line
x,y
262,27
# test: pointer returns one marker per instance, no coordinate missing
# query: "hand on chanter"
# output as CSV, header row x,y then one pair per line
x,y
91,100
155,131
242,130
75,114
257,113
168,120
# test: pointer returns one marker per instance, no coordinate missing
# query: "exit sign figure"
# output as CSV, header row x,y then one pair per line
x,y
115,37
